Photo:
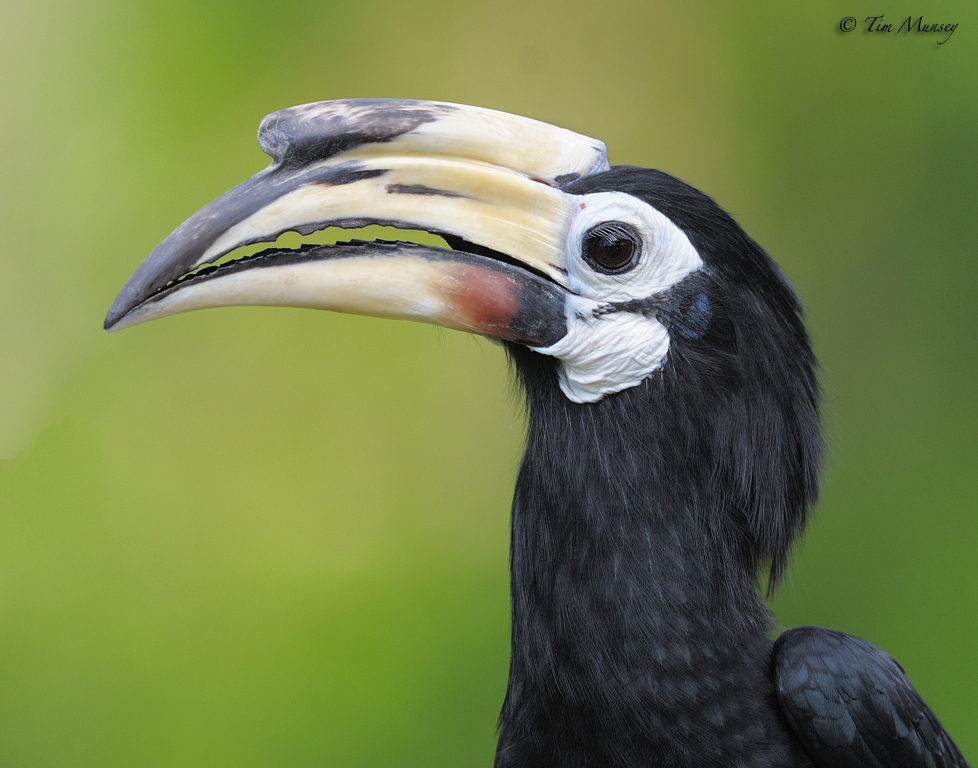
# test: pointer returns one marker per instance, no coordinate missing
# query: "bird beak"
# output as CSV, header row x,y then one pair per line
x,y
488,182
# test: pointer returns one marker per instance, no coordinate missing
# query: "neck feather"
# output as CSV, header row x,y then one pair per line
x,y
639,635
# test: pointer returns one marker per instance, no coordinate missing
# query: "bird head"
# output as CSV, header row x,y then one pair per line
x,y
610,283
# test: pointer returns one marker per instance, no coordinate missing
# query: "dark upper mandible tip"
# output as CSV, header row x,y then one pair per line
x,y
111,318
299,139
183,249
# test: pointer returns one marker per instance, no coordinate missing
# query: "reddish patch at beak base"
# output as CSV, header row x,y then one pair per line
x,y
485,301
506,303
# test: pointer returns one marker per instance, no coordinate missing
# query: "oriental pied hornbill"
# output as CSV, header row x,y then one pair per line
x,y
673,445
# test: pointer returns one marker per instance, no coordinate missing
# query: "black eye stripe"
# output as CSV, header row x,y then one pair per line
x,y
612,247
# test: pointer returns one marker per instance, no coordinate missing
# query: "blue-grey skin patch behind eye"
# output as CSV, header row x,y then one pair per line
x,y
684,309
692,321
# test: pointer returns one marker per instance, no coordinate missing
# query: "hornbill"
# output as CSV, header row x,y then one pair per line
x,y
673,443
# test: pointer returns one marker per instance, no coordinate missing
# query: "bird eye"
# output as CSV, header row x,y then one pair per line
x,y
612,247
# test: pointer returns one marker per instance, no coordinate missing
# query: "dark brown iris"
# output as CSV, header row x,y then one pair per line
x,y
612,247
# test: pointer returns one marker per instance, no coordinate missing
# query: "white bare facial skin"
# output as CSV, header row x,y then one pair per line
x,y
487,178
606,352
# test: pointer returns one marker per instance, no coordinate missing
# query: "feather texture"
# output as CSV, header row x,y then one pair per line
x,y
852,705
641,523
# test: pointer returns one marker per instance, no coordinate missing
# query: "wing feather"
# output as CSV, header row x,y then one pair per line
x,y
852,706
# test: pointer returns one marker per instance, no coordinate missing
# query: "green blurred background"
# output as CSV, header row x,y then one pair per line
x,y
279,537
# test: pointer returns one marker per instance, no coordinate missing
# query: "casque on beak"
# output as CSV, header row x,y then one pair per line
x,y
486,181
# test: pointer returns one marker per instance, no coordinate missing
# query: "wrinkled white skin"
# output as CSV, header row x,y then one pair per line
x,y
606,353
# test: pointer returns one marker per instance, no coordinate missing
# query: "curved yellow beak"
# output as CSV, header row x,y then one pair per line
x,y
488,182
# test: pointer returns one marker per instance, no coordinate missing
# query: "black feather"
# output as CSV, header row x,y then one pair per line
x,y
641,521
641,524
852,705
751,372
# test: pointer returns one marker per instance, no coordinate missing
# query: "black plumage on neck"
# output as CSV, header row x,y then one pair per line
x,y
642,523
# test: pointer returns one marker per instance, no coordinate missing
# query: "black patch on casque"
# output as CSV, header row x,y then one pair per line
x,y
420,189
299,135
566,178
